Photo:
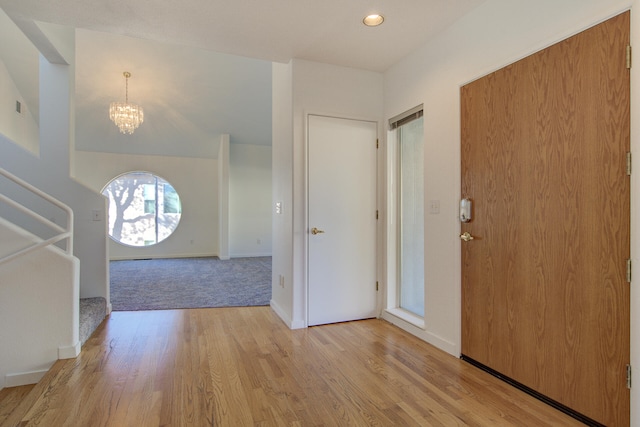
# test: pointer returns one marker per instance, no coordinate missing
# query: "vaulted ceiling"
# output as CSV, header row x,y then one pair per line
x,y
203,68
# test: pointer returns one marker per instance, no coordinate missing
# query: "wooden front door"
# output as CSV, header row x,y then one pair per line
x,y
545,299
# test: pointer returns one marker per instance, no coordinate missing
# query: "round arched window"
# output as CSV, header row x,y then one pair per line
x,y
144,209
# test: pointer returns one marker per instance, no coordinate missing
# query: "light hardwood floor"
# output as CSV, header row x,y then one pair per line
x,y
244,367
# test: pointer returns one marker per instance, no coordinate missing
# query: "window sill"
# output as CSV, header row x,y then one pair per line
x,y
407,317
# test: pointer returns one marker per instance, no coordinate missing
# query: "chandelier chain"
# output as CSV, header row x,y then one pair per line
x,y
126,86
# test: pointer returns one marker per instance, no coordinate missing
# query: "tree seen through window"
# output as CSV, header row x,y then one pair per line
x,y
144,209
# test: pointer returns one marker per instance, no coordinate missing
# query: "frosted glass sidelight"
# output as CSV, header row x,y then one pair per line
x,y
411,216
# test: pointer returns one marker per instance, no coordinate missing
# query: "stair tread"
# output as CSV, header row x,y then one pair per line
x,y
92,312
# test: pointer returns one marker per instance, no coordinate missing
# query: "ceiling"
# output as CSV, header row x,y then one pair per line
x,y
203,68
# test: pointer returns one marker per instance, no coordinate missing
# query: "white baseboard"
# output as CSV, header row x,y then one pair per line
x,y
251,255
70,352
161,256
23,378
281,314
298,324
421,333
198,255
285,318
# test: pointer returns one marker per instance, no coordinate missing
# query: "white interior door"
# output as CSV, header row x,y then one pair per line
x,y
342,207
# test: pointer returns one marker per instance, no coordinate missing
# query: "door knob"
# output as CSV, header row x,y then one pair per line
x,y
315,231
466,236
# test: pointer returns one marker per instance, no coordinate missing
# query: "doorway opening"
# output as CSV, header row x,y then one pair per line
x,y
145,210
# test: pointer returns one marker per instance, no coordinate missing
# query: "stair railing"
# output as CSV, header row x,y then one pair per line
x,y
63,232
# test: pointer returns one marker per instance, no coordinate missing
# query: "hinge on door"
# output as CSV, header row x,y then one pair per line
x,y
377,285
377,214
377,143
629,377
629,163
628,56
629,270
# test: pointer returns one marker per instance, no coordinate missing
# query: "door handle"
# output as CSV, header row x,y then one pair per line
x,y
315,231
466,236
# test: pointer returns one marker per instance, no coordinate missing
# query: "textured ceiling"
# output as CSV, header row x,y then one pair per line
x,y
190,96
202,68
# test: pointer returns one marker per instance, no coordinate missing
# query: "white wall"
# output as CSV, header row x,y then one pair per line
x,y
490,37
52,174
50,171
223,197
320,89
282,191
39,311
20,128
249,200
195,180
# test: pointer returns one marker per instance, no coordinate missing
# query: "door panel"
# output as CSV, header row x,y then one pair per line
x,y
342,204
544,294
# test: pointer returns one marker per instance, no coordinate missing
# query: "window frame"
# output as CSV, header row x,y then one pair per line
x,y
393,261
164,223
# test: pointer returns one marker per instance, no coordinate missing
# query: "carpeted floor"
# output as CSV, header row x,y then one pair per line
x,y
162,284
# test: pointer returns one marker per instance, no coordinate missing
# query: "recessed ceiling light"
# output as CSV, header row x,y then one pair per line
x,y
373,20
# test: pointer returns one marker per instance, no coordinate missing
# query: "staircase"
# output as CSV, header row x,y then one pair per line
x,y
40,306
15,402
92,313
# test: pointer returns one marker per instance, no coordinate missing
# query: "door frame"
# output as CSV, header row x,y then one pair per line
x,y
305,228
393,225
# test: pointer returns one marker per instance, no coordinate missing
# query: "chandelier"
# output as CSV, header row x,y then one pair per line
x,y
126,116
